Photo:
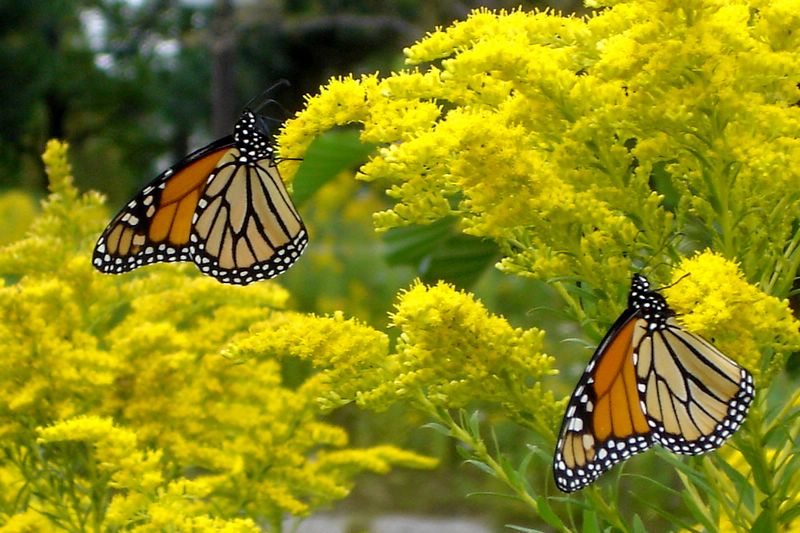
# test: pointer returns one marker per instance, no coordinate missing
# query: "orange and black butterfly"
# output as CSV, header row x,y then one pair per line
x,y
649,382
224,206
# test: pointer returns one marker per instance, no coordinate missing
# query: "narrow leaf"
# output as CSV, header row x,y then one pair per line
x,y
328,155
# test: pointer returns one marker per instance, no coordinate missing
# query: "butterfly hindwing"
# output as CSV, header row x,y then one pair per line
x,y
694,396
239,242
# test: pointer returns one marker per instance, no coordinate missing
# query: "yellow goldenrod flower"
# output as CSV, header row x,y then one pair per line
x,y
346,353
714,300
454,352
127,383
549,134
29,521
589,148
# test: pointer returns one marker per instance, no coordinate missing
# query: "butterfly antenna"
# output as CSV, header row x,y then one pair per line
x,y
249,105
271,101
673,283
650,266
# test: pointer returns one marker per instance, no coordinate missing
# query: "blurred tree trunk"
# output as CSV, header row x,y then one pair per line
x,y
223,87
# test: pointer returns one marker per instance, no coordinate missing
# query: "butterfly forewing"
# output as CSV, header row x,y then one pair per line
x,y
155,225
604,423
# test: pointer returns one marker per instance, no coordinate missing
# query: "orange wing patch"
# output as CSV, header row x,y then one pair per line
x,y
172,219
618,412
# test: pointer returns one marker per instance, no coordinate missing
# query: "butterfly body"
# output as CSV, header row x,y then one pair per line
x,y
649,382
224,207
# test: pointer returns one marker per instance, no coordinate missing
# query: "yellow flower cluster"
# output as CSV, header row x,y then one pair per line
x,y
28,521
714,300
101,368
140,501
453,351
17,212
345,353
586,146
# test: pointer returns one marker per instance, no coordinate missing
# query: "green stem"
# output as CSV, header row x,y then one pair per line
x,y
764,500
569,300
479,450
793,258
725,495
276,523
724,214
609,513
573,304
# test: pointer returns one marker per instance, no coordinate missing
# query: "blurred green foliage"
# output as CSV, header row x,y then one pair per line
x,y
17,211
132,85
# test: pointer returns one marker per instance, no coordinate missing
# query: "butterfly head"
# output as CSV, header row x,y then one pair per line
x,y
650,304
639,283
252,136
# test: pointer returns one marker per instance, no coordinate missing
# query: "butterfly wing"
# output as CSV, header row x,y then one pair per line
x,y
694,396
246,227
604,423
155,226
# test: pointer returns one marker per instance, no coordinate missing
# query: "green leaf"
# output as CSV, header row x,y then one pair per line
x,y
526,461
460,260
439,428
439,251
661,181
740,482
474,425
590,522
541,454
505,495
546,513
523,529
328,155
760,475
638,525
409,245
786,474
511,473
678,522
694,502
481,466
778,431
791,514
686,469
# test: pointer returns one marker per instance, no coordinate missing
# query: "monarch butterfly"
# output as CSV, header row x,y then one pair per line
x,y
649,382
223,206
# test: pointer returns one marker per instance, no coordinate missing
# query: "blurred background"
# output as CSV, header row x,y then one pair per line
x,y
134,85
